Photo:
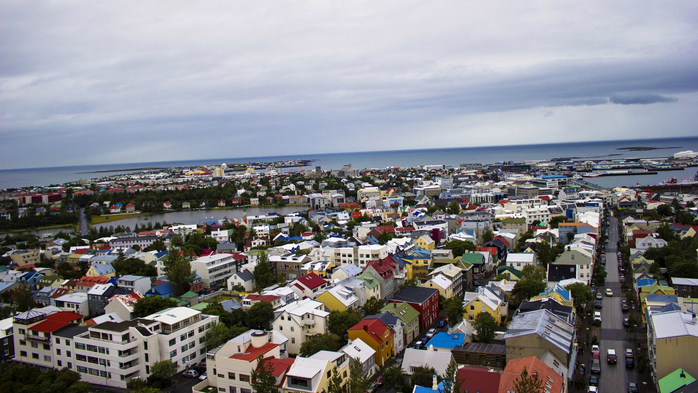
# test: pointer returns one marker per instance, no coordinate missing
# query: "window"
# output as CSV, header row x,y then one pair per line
x,y
472,307
183,337
293,340
471,317
202,340
34,345
70,365
58,340
231,376
23,354
47,347
145,345
281,328
59,363
291,328
82,369
232,389
22,342
184,348
245,391
22,331
244,378
191,333
483,309
58,352
81,358
191,344
67,354
79,346
173,341
173,353
35,356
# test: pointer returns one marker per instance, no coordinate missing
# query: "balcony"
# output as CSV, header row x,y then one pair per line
x,y
40,339
309,322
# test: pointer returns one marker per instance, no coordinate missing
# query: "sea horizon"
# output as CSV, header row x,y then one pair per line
x,y
453,156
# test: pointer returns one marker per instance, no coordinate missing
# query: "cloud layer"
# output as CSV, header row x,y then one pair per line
x,y
107,82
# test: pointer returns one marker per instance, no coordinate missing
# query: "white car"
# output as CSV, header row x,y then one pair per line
x,y
431,332
203,376
597,316
190,374
595,349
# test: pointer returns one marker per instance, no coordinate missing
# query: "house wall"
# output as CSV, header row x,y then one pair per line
x,y
383,351
672,353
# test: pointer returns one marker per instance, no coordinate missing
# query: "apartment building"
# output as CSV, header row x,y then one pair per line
x,y
290,265
300,320
215,269
360,255
33,335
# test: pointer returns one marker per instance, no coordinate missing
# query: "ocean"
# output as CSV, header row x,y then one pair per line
x,y
666,147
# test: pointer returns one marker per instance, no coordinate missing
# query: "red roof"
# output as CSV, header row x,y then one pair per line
x,y
48,326
533,365
64,316
404,229
253,353
503,240
385,267
311,281
281,366
479,380
375,328
261,298
60,291
492,250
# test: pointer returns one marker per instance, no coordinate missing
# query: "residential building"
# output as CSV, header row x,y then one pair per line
x,y
580,260
215,269
415,358
244,279
33,335
685,287
672,337
475,379
531,333
309,286
424,300
396,325
76,301
122,305
131,283
362,352
442,284
289,265
101,269
251,299
339,298
377,335
551,381
409,317
299,320
7,342
484,300
122,243
519,260
455,275
308,375
98,298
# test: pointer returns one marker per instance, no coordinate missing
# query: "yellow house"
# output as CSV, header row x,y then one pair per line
x,y
442,284
101,269
417,264
425,242
321,268
656,289
378,336
338,298
482,301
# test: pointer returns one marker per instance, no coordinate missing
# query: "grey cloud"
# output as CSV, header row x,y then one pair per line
x,y
640,99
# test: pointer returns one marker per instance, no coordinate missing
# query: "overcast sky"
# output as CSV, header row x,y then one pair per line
x,y
100,82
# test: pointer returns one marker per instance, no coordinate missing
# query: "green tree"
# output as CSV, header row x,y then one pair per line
x,y
152,304
263,379
217,335
522,240
260,315
263,274
525,289
23,298
665,210
527,384
157,245
487,236
666,232
134,266
555,221
393,377
545,253
339,322
454,309
358,380
319,342
372,306
453,207
334,385
422,376
163,369
580,293
449,381
530,272
485,325
459,247
178,271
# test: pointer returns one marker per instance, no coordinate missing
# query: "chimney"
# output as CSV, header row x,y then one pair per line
x,y
434,383
365,327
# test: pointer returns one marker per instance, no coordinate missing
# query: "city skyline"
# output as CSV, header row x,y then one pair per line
x,y
84,84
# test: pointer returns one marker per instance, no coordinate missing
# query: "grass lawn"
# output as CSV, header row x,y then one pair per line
x,y
38,228
114,217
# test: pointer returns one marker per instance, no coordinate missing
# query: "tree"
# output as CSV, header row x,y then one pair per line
x,y
178,271
217,335
555,221
157,245
319,342
526,384
580,293
372,306
339,322
454,309
459,247
450,382
358,380
522,240
263,272
163,369
545,253
15,377
422,376
665,210
334,385
487,236
134,266
485,325
526,289
263,379
393,377
152,304
453,207
260,314
530,272
666,232
23,298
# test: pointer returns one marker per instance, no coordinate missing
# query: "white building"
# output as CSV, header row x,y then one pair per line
x,y
76,301
300,320
138,284
214,269
359,256
519,260
359,350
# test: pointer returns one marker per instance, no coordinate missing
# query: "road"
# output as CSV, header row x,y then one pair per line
x,y
614,377
83,228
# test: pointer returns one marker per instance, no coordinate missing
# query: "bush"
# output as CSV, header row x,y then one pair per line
x,y
596,323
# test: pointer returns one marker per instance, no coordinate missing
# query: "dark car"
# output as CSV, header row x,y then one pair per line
x,y
629,362
596,366
441,323
621,278
624,306
598,304
626,322
594,380
632,387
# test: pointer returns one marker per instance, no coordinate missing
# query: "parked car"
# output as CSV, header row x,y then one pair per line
x,y
609,292
611,356
624,306
595,367
594,380
379,380
593,389
597,316
598,304
599,296
626,322
441,323
203,376
629,353
621,278
419,344
595,349
629,362
632,387
190,374
431,332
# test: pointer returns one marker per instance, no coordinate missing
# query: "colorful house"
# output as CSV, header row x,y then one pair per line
x,y
424,300
339,298
482,301
409,317
377,335
101,269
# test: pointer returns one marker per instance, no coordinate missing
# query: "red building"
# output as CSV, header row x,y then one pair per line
x,y
424,300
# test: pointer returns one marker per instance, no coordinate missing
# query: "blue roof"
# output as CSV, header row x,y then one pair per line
x,y
163,290
161,254
230,305
422,389
645,282
662,298
103,268
670,307
445,340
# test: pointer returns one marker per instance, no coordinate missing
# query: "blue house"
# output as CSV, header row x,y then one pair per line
x,y
164,290
443,341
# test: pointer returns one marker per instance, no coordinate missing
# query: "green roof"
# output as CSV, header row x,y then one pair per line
x,y
189,295
674,381
519,220
473,258
199,306
370,280
403,311
509,269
